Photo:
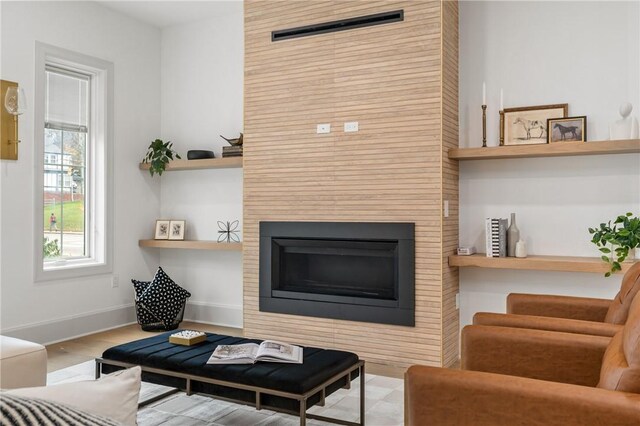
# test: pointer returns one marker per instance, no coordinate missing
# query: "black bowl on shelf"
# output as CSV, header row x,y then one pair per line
x,y
199,154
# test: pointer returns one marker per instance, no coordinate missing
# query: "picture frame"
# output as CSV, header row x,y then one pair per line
x,y
528,125
568,129
162,229
176,229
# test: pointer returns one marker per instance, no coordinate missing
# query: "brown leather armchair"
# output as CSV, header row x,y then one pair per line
x,y
532,377
599,317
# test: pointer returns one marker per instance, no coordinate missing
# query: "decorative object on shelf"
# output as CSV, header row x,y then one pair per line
x,y
484,126
513,236
199,154
484,115
466,251
521,249
15,104
528,125
570,129
228,231
622,238
496,237
235,141
159,303
176,229
626,127
232,151
162,229
158,155
188,337
501,112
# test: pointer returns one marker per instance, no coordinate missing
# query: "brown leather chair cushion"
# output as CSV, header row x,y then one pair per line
x,y
621,362
619,308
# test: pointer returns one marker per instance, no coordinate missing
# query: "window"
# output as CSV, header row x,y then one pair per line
x,y
67,209
73,193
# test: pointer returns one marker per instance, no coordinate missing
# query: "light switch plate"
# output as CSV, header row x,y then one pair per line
x,y
351,126
323,128
446,208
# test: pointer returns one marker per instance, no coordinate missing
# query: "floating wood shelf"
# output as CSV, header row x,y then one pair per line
x,y
558,149
536,263
208,163
190,245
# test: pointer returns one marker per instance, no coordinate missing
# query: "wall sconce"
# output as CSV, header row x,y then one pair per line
x,y
15,104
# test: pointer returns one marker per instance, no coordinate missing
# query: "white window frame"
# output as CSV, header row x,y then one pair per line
x,y
99,224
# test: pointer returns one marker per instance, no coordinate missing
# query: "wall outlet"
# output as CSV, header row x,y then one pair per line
x,y
115,281
351,126
323,128
457,300
446,208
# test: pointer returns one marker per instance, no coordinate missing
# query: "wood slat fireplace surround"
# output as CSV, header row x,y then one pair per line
x,y
399,81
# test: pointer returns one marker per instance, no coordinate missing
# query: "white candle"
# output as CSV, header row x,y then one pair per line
x,y
501,100
484,93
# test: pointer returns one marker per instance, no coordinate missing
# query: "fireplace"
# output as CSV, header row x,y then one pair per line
x,y
342,270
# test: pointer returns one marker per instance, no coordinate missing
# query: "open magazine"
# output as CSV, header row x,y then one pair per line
x,y
250,353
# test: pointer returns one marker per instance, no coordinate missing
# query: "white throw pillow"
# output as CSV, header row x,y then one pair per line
x,y
114,396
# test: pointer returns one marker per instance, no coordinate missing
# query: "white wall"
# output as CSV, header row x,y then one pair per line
x,y
586,54
202,89
49,311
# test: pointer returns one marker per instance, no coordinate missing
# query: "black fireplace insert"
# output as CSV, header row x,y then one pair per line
x,y
343,270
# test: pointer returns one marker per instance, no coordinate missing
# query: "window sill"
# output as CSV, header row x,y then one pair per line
x,y
71,269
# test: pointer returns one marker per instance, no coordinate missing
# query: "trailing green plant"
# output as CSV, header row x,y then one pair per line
x,y
622,236
50,248
158,155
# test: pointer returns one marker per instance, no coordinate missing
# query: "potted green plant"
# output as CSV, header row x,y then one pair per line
x,y
158,155
622,237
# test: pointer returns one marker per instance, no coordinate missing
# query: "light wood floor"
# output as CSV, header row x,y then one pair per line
x,y
86,348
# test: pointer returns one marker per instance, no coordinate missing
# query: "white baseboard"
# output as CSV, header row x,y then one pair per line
x,y
214,313
48,332
74,326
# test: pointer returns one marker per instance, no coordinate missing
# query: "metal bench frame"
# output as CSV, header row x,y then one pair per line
x,y
301,398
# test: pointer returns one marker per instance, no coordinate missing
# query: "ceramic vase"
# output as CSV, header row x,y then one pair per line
x,y
521,249
513,236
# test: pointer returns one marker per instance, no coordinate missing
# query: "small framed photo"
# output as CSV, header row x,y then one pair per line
x,y
528,125
162,229
567,129
176,230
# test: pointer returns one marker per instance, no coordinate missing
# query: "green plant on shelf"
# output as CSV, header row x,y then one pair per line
x,y
615,241
158,155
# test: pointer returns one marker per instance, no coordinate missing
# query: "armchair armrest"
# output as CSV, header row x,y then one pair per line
x,y
580,308
547,323
439,396
537,354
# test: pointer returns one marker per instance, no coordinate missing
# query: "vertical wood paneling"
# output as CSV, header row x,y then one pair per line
x,y
389,78
450,281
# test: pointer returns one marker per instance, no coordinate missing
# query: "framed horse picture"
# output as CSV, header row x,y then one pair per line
x,y
567,129
528,125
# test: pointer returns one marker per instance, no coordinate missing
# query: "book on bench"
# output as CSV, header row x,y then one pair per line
x,y
250,353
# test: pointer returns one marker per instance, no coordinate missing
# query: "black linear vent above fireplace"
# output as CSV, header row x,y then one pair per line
x,y
353,271
341,25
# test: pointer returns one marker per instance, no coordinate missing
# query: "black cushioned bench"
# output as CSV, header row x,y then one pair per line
x,y
291,388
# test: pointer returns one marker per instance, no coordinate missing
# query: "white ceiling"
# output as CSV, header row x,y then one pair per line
x,y
161,13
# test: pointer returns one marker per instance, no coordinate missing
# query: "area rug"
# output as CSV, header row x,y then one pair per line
x,y
383,403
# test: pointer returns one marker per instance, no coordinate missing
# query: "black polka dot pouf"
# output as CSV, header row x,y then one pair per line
x,y
160,303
